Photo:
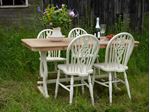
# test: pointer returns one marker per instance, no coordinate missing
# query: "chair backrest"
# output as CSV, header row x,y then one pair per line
x,y
75,32
85,47
44,34
119,48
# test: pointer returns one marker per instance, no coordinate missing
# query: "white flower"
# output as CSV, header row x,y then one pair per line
x,y
63,5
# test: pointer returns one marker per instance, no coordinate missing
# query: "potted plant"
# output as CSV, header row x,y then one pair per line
x,y
57,18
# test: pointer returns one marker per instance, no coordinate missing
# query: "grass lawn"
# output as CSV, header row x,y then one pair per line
x,y
23,96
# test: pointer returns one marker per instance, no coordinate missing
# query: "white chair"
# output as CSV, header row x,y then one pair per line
x,y
118,52
75,32
80,65
52,56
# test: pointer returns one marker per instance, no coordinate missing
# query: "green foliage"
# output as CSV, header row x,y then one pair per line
x,y
139,60
121,25
57,17
15,58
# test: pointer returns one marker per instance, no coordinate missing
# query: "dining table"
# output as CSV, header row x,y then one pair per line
x,y
45,45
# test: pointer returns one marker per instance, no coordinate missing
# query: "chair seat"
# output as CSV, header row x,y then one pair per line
x,y
55,59
70,69
52,59
111,67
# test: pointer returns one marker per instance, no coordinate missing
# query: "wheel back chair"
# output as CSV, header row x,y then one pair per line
x,y
75,32
118,52
52,56
80,56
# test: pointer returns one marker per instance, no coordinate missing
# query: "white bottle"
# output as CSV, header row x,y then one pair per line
x,y
97,28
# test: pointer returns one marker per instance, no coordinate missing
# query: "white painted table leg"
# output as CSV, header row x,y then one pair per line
x,y
43,74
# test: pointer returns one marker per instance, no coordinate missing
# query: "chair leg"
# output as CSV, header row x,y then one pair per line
x,y
82,81
97,61
66,76
71,89
91,89
55,66
115,79
110,88
57,84
127,85
93,77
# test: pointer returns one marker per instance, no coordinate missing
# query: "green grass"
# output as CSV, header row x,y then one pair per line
x,y
19,72
23,96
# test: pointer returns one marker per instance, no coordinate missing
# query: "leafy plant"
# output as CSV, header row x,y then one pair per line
x,y
56,17
121,25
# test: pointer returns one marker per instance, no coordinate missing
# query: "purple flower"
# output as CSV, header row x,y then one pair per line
x,y
39,9
73,14
57,6
45,1
44,11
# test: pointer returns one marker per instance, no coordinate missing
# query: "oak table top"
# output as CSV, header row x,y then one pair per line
x,y
47,45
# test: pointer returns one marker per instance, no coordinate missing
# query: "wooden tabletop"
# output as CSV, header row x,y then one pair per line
x,y
46,44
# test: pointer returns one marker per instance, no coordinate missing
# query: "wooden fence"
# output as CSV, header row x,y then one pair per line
x,y
107,10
